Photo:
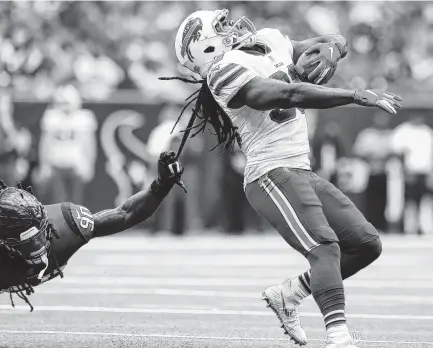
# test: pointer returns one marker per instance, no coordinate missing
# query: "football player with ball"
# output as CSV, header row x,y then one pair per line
x,y
252,92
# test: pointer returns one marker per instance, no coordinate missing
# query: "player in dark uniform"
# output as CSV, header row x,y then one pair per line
x,y
36,241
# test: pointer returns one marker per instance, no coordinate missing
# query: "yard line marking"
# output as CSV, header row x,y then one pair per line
x,y
222,294
227,281
7,309
261,242
223,338
249,258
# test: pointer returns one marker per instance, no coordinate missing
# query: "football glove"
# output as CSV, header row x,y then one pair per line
x,y
170,169
326,60
373,98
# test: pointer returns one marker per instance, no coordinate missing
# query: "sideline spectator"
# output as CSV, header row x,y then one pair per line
x,y
68,147
373,145
413,140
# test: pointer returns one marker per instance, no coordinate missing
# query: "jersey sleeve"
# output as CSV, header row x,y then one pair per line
x,y
227,77
79,219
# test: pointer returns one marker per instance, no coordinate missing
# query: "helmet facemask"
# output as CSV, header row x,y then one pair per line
x,y
24,228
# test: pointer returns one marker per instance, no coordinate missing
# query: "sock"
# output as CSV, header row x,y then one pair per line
x,y
300,285
332,305
326,283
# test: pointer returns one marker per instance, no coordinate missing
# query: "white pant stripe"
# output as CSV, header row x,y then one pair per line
x,y
290,211
280,208
293,213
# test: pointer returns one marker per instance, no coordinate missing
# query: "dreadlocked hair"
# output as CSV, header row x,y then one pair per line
x,y
23,290
207,110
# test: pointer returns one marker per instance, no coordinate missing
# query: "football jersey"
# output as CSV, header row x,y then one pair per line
x,y
74,225
272,138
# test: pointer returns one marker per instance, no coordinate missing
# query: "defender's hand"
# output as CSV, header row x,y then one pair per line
x,y
326,60
383,100
170,169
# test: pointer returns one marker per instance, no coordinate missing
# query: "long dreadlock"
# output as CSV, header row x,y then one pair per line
x,y
207,110
23,290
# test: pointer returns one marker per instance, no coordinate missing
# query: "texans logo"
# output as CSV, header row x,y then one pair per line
x,y
191,33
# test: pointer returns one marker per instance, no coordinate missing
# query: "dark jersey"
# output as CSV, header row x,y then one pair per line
x,y
74,226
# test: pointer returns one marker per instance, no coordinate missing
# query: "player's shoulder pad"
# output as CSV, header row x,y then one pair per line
x,y
270,34
80,217
274,38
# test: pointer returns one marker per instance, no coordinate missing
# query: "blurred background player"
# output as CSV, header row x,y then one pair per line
x,y
68,148
374,145
36,240
413,141
252,95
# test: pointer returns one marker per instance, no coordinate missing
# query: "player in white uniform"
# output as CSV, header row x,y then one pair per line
x,y
252,95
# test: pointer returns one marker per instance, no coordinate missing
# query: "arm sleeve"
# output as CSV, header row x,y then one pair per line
x,y
228,77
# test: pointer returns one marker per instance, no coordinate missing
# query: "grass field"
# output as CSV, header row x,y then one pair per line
x,y
205,291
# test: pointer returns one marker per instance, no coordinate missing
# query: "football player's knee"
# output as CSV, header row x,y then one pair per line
x,y
325,252
366,231
372,250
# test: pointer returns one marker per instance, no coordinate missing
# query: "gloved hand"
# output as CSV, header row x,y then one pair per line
x,y
169,169
374,98
326,60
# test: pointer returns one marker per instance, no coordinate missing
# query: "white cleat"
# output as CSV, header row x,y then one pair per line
x,y
287,310
339,337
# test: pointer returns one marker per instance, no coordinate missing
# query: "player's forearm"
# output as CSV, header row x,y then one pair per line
x,y
142,205
133,211
282,95
309,96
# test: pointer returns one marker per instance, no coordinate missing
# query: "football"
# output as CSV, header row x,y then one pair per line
x,y
304,72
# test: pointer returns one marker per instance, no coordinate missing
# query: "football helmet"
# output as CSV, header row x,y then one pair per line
x,y
24,227
205,35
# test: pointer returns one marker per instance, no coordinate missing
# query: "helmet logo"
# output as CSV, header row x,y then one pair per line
x,y
191,33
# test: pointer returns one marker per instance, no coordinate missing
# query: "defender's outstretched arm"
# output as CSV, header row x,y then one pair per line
x,y
142,205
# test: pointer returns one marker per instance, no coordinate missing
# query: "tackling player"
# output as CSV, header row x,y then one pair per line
x,y
36,241
252,95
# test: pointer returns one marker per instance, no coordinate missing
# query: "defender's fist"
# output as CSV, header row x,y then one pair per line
x,y
169,168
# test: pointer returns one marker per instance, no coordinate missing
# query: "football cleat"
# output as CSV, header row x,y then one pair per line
x,y
286,307
339,337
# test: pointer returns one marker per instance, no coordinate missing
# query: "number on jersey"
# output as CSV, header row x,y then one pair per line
x,y
85,217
